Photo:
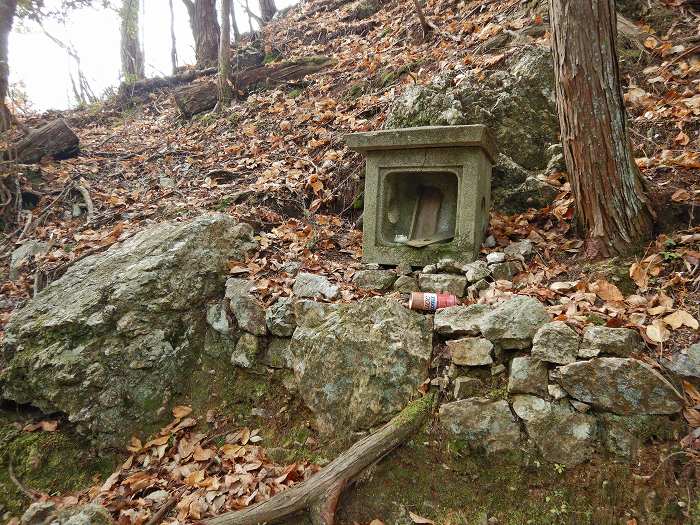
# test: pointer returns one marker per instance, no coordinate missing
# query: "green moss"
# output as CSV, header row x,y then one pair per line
x,y
440,479
51,462
294,93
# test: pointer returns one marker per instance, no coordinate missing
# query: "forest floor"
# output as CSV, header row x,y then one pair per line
x,y
277,160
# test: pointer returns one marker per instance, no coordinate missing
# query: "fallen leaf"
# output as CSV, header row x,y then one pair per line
x,y
607,291
680,318
45,426
657,331
418,519
639,275
692,416
181,411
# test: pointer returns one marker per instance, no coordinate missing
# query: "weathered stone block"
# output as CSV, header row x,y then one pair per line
x,y
427,193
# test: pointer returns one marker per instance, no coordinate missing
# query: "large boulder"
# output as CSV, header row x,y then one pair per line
x,y
358,364
518,104
513,323
619,385
114,341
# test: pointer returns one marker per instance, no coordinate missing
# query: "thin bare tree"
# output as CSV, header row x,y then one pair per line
x,y
225,91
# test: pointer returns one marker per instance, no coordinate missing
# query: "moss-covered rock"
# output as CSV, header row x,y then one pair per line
x,y
114,341
50,462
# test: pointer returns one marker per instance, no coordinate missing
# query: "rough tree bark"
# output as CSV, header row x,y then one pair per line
x,y
611,204
225,92
7,15
131,52
206,34
267,10
189,4
319,494
173,41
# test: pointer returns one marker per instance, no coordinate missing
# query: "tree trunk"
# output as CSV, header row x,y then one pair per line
x,y
173,41
225,92
189,4
7,15
131,51
267,10
319,494
206,33
55,139
612,207
234,25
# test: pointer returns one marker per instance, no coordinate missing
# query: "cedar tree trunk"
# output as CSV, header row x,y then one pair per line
x,y
189,4
612,207
206,35
7,15
267,10
131,52
225,93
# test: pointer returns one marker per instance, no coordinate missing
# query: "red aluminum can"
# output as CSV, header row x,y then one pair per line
x,y
429,302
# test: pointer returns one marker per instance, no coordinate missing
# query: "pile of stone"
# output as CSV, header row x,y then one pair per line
x,y
566,393
462,280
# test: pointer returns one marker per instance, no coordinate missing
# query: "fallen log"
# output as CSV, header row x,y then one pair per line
x,y
196,98
319,494
54,139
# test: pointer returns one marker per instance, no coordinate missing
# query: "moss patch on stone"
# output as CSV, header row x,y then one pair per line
x,y
51,462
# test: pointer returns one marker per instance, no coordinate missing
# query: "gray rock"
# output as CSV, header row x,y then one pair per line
x,y
280,317
291,267
217,317
619,342
406,284
450,266
127,325
556,392
236,287
513,323
555,342
362,363
505,271
481,423
465,387
533,193
685,364
473,291
23,253
246,352
495,257
277,354
490,242
498,369
527,376
375,280
470,351
46,513
580,407
312,313
425,106
460,320
443,283
623,436
249,313
166,182
619,385
403,269
564,436
309,285
528,407
522,249
476,271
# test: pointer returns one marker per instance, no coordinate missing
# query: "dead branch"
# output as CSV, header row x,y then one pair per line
x,y
319,494
24,490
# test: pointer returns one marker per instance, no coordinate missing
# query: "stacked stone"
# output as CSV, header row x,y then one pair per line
x,y
566,393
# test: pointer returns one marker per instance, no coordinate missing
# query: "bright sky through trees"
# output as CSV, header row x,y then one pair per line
x,y
44,68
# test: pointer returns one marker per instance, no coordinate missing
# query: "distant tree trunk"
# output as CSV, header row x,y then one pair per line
x,y
7,15
131,51
267,10
609,191
250,19
234,26
173,42
225,92
206,33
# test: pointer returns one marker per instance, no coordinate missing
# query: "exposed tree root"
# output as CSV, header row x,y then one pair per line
x,y
319,495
